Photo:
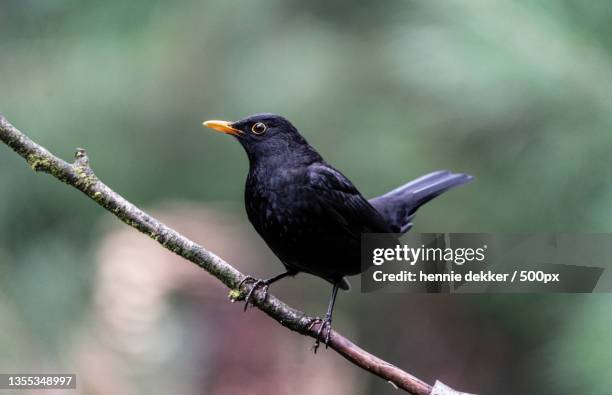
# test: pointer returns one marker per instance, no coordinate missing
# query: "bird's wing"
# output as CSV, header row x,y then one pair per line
x,y
339,198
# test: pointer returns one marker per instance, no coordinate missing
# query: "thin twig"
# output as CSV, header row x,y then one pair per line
x,y
80,175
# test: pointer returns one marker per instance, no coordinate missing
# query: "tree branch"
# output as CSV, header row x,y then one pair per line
x,y
80,175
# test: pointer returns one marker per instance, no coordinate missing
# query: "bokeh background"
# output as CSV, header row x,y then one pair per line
x,y
516,93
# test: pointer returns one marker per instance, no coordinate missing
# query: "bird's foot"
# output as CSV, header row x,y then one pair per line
x,y
325,323
257,283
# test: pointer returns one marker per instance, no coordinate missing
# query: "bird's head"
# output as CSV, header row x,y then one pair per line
x,y
264,135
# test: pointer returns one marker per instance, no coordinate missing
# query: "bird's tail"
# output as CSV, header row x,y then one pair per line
x,y
399,205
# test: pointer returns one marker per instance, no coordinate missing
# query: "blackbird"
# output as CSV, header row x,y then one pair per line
x,y
309,214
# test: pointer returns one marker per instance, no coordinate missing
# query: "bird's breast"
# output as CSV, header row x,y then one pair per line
x,y
278,204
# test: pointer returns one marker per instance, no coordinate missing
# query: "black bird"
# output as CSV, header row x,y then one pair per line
x,y
309,213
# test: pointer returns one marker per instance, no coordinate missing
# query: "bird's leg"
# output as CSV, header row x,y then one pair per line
x,y
326,322
258,283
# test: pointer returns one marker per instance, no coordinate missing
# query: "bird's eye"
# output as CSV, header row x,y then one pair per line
x,y
259,128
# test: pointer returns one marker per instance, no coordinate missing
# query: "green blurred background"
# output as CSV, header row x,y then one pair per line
x,y
516,93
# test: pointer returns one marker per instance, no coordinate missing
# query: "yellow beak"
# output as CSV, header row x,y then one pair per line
x,y
223,127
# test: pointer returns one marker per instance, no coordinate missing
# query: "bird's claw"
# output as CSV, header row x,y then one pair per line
x,y
313,322
323,324
244,280
257,283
